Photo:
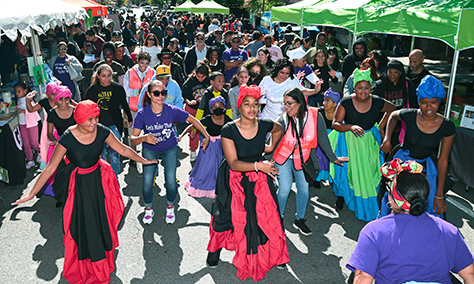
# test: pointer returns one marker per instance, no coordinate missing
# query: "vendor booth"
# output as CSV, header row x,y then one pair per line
x,y
209,6
25,19
185,7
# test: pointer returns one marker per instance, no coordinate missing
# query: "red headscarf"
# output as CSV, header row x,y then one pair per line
x,y
85,110
245,90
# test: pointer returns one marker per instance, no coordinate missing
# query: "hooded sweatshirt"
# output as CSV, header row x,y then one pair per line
x,y
352,61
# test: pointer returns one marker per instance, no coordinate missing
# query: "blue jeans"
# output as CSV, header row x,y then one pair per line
x,y
285,180
114,156
170,162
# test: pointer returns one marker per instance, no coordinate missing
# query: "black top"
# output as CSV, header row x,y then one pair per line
x,y
416,78
212,128
84,156
420,144
110,99
80,39
365,120
250,150
60,124
400,94
325,76
45,104
208,95
326,121
117,69
126,62
193,90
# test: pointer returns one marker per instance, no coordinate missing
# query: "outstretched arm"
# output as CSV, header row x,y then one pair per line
x,y
126,151
58,154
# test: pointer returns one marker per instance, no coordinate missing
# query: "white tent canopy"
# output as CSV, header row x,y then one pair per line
x,y
21,15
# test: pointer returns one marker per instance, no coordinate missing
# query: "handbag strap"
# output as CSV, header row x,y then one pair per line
x,y
293,125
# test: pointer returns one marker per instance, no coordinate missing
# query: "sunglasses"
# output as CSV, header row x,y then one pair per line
x,y
166,57
62,48
236,41
288,103
153,39
160,93
199,38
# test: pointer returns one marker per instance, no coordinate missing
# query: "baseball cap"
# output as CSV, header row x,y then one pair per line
x,y
163,71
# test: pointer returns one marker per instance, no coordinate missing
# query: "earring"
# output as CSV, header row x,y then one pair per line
x,y
389,206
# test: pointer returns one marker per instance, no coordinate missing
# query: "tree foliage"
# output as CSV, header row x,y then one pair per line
x,y
256,5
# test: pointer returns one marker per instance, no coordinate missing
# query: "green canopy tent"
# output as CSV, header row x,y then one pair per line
x,y
209,6
451,21
293,13
185,7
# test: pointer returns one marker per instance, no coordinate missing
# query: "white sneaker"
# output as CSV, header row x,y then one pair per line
x,y
30,164
193,156
170,218
148,218
38,158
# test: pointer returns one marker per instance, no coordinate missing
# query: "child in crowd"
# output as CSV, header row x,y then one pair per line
x,y
193,90
241,78
202,181
46,103
28,125
331,100
213,91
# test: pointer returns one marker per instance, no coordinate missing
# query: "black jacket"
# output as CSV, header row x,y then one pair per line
x,y
352,61
190,60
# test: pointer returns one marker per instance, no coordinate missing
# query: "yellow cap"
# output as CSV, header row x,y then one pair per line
x,y
163,71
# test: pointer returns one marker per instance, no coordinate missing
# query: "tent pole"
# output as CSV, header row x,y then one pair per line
x,y
34,48
412,43
452,80
301,24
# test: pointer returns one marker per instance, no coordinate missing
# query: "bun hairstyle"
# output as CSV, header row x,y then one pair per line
x,y
415,188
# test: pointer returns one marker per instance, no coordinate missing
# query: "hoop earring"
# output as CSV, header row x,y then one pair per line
x,y
389,206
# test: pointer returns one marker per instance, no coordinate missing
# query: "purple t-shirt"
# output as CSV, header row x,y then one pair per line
x,y
306,68
400,247
61,73
232,55
160,125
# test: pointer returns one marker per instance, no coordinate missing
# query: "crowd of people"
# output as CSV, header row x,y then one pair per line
x,y
259,111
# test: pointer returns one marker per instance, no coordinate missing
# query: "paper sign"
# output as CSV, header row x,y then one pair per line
x,y
467,119
40,75
31,64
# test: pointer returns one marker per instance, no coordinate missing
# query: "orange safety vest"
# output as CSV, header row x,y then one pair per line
x,y
288,144
136,83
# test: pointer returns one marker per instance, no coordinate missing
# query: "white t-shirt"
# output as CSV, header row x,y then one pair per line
x,y
153,51
22,105
200,55
272,95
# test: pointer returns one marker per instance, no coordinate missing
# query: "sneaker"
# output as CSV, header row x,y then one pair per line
x,y
38,158
193,156
339,203
211,263
148,218
170,218
281,266
30,164
301,225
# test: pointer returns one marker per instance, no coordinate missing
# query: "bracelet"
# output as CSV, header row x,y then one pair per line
x,y
256,170
437,197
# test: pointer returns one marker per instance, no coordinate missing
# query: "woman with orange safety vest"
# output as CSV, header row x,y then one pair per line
x,y
299,120
135,78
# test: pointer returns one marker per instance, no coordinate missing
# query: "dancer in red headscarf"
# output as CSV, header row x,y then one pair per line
x,y
93,202
245,215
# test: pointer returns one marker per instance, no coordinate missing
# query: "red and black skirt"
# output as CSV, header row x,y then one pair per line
x,y
246,218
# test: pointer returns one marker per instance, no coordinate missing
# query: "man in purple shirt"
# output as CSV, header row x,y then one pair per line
x,y
233,58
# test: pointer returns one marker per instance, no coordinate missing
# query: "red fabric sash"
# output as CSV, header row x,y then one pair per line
x,y
85,271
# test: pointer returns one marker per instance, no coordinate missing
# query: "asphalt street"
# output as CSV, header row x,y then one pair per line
x,y
31,247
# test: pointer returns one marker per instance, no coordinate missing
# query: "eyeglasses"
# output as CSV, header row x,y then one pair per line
x,y
152,38
284,73
160,93
62,48
199,38
166,57
236,41
288,103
